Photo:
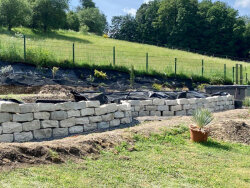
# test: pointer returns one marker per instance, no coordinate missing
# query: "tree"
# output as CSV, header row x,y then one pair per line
x,y
93,19
87,4
14,13
124,28
72,21
49,14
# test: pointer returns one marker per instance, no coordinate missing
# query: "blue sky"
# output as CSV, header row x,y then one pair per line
x,y
121,7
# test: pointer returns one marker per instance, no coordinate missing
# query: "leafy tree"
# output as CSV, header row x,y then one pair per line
x,y
93,19
14,12
49,14
72,21
124,27
87,4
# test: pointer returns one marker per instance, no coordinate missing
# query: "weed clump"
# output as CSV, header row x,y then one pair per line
x,y
100,74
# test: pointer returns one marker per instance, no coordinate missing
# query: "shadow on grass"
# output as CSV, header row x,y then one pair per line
x,y
216,145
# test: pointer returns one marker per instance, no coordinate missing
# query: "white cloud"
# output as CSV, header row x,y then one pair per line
x,y
242,3
130,11
146,1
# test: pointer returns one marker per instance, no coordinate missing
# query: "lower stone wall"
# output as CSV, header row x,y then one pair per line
x,y
41,121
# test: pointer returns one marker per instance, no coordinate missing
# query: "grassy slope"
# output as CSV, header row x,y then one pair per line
x,y
167,160
98,50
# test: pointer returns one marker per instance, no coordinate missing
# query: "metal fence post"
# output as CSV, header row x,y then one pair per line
x,y
175,67
225,71
114,56
237,74
24,48
246,79
73,53
233,74
202,69
241,74
146,62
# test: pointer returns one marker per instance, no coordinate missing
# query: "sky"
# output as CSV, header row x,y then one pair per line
x,y
122,7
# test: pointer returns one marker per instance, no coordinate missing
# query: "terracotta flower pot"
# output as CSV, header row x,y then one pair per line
x,y
198,135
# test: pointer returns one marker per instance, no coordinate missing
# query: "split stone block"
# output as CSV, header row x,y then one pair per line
x,y
58,115
27,108
82,121
32,125
125,120
128,114
23,136
125,106
155,113
138,108
171,102
108,117
134,102
146,102
60,132
95,119
90,127
119,115
49,124
103,125
192,101
87,112
176,108
143,113
23,117
182,101
93,104
68,122
135,114
5,117
159,102
45,107
181,113
163,108
168,113
101,110
115,123
1,129
42,115
111,108
6,106
12,127
7,138
186,106
151,108
76,129
75,105
74,113
42,134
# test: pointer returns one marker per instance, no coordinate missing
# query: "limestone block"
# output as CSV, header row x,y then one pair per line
x,y
128,114
1,130
75,105
168,113
60,132
192,101
186,106
134,102
103,125
181,113
108,117
23,117
146,102
163,108
125,120
27,108
176,108
42,115
74,113
6,138
182,101
5,117
125,106
111,107
159,102
93,104
58,115
68,122
32,125
143,113
135,114
82,121
230,97
137,108
90,127
151,108
11,127
76,129
215,98
190,112
115,123
155,113
6,106
45,107
101,110
119,115
23,136
87,112
95,119
49,124
42,134
171,102
132,109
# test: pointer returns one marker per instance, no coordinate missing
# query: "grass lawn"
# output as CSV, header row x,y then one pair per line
x,y
161,160
91,49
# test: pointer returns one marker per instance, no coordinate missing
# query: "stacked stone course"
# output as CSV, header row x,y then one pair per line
x,y
28,122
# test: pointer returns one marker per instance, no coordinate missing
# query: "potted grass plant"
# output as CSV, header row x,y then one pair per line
x,y
199,132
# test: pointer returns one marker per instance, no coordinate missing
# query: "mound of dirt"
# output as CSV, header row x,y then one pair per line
x,y
233,131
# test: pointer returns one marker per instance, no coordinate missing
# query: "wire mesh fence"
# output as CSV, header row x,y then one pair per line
x,y
39,51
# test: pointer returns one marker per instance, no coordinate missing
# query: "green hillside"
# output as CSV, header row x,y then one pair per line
x,y
57,46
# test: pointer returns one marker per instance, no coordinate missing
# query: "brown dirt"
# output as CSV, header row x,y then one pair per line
x,y
76,147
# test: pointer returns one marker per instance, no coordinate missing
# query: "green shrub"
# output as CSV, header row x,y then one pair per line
x,y
202,87
246,102
157,87
202,117
100,74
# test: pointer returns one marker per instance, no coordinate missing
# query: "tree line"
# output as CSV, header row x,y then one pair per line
x,y
52,14
214,28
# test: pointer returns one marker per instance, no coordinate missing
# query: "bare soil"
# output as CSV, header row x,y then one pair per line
x,y
232,126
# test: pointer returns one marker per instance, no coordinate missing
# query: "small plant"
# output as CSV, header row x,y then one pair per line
x,y
100,74
202,117
105,36
157,87
202,87
132,76
246,102
91,78
54,71
5,71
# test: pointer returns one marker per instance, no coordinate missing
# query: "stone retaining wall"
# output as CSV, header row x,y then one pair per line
x,y
28,122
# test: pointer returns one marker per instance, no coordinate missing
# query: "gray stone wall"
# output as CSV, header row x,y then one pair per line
x,y
28,122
